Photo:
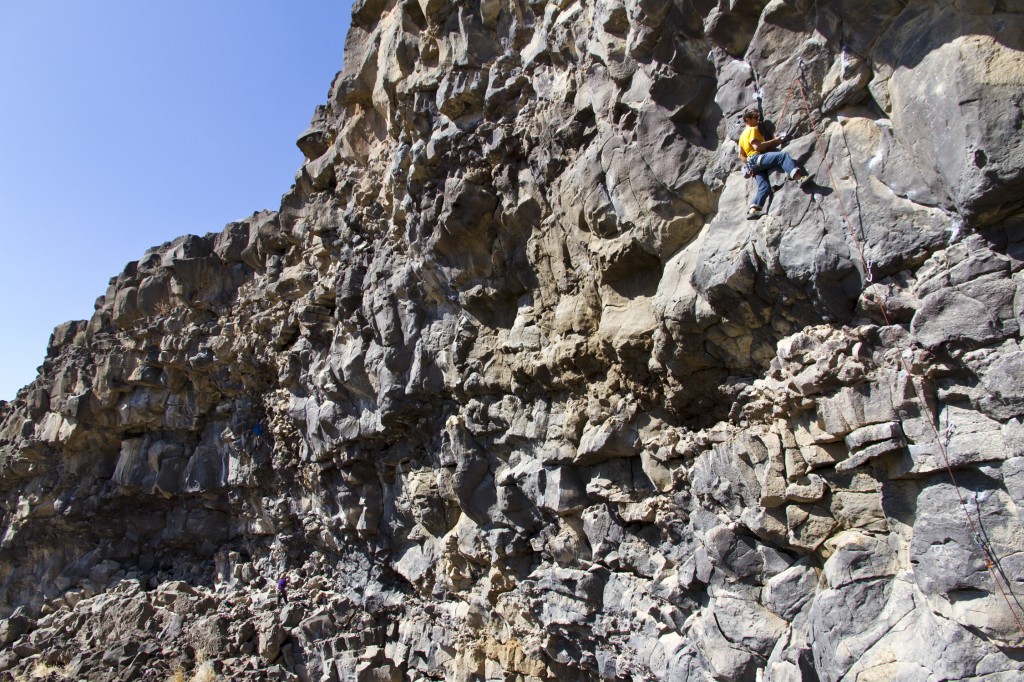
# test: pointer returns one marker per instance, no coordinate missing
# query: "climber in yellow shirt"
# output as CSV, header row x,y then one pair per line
x,y
756,152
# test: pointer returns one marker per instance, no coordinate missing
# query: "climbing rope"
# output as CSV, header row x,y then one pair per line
x,y
828,168
782,117
987,554
785,106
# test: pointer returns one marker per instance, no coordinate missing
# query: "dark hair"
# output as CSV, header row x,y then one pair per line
x,y
752,111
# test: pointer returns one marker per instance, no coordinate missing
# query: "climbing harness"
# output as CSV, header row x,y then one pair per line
x,y
751,168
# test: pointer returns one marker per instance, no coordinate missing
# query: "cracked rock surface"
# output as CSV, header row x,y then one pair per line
x,y
511,389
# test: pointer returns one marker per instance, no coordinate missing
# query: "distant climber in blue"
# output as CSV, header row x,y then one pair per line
x,y
257,435
756,152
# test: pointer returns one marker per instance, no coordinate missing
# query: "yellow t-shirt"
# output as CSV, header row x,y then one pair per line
x,y
750,135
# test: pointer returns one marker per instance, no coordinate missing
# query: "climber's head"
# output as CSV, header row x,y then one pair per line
x,y
752,115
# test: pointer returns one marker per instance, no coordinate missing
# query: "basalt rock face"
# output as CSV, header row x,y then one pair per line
x,y
534,400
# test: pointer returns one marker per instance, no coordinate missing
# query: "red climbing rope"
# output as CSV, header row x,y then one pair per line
x,y
785,106
987,554
931,419
828,168
782,116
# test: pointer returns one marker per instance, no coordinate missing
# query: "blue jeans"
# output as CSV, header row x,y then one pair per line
x,y
760,164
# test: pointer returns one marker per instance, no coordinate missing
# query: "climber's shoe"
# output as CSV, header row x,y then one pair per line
x,y
754,213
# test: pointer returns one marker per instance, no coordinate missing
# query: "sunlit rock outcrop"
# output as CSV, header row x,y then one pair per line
x,y
512,390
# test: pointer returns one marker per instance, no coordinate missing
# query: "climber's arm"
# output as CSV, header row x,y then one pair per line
x,y
762,146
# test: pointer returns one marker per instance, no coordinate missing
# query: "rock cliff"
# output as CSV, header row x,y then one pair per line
x,y
512,390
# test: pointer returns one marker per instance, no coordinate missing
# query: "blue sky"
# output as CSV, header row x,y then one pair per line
x,y
126,124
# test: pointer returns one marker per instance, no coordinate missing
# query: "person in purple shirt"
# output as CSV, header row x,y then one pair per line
x,y
282,589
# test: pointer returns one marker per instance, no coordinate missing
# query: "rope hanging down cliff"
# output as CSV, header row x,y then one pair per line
x,y
987,553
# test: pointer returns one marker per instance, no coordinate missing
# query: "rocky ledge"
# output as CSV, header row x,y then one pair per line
x,y
511,389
